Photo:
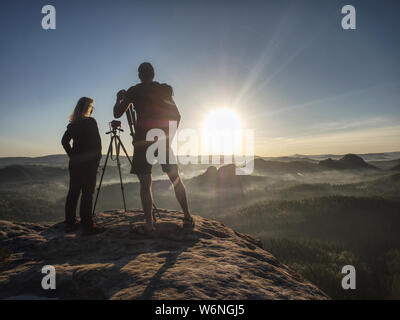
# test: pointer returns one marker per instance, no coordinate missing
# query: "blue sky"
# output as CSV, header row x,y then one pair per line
x,y
289,70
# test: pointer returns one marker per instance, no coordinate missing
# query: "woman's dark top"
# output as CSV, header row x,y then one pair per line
x,y
86,141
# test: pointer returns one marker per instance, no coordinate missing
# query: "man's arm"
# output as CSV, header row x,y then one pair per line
x,y
121,104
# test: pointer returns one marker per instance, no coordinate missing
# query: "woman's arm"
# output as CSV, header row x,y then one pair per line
x,y
65,143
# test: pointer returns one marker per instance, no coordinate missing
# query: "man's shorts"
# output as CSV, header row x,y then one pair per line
x,y
140,165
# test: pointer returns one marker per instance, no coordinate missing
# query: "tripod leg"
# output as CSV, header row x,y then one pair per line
x,y
154,216
156,210
123,148
119,143
102,175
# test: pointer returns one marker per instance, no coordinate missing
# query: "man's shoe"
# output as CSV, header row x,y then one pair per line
x,y
94,229
188,222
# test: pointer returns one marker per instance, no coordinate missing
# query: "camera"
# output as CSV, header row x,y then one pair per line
x,y
115,124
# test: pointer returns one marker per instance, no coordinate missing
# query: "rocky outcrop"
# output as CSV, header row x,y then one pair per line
x,y
211,261
347,162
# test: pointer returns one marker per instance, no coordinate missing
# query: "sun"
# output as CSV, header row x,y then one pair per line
x,y
221,132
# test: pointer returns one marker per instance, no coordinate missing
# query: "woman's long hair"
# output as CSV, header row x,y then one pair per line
x,y
81,109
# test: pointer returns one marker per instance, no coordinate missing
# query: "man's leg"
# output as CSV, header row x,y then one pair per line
x,y
180,191
147,198
171,169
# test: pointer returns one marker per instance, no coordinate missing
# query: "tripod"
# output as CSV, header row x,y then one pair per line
x,y
116,140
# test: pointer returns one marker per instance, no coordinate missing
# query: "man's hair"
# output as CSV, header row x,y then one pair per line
x,y
146,72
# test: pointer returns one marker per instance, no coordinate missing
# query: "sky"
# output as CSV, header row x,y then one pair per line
x,y
287,68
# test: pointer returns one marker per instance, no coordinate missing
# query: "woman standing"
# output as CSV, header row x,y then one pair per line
x,y
84,159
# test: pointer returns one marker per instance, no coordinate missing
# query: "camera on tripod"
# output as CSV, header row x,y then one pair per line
x,y
115,124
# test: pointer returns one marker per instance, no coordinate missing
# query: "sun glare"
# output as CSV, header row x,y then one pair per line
x,y
221,133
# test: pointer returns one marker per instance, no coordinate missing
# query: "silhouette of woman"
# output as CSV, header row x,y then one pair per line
x,y
84,158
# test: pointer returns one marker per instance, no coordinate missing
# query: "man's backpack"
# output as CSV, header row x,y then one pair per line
x,y
164,109
159,108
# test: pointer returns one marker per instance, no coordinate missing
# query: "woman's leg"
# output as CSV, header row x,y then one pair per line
x,y
88,187
75,185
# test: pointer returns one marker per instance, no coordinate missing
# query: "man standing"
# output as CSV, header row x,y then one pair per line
x,y
152,102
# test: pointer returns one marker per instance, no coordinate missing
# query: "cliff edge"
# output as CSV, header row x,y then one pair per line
x,y
211,261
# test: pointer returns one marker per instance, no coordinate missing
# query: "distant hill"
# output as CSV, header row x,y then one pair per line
x,y
366,218
51,160
318,235
393,179
384,186
385,164
62,160
283,167
26,173
289,159
223,177
382,156
396,168
348,162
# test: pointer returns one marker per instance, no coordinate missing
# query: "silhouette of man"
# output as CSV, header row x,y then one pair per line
x,y
145,97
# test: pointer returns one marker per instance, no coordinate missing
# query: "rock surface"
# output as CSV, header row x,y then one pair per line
x,y
211,261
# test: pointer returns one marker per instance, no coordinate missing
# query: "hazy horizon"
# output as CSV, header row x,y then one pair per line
x,y
255,156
